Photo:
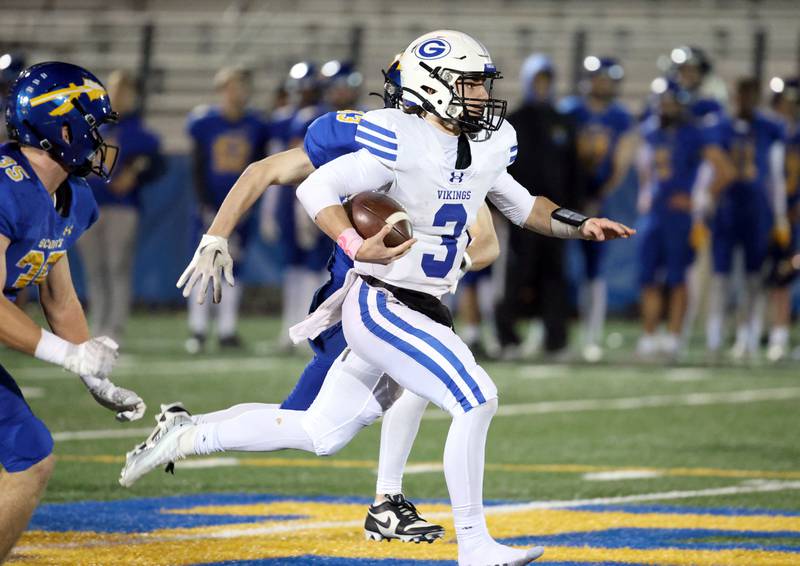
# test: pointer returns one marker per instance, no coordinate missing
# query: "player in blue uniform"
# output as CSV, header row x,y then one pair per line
x,y
606,146
108,250
673,150
748,210
786,104
329,137
53,113
226,138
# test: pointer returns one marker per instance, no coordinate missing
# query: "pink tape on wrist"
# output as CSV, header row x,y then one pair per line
x,y
350,242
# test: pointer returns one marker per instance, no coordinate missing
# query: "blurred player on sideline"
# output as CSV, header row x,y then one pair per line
x,y
756,200
225,139
53,113
786,104
674,147
108,249
606,148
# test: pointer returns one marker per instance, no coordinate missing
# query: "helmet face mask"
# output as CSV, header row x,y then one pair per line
x,y
59,107
440,71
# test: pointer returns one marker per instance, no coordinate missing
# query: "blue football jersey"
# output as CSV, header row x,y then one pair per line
x,y
748,144
303,119
134,141
328,137
598,134
39,234
677,155
280,128
227,147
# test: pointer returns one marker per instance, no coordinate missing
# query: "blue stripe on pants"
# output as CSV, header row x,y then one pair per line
x,y
412,352
434,343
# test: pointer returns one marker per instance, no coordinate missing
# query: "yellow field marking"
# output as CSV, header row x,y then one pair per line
x,y
327,463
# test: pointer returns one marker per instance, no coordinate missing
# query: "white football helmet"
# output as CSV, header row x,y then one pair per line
x,y
432,69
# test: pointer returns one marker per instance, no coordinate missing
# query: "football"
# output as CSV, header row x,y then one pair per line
x,y
370,211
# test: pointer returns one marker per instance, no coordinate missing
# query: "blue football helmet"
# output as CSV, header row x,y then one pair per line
x,y
392,85
58,107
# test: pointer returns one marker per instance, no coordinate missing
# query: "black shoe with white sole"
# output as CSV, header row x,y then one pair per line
x,y
397,518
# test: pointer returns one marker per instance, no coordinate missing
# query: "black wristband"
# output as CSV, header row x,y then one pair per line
x,y
568,216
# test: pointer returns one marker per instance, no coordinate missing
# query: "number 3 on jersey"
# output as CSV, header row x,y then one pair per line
x,y
448,213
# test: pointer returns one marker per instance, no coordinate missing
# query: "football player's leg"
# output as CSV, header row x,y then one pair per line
x,y
594,300
680,256
93,253
722,259
121,250
398,431
756,246
327,347
650,260
25,455
429,359
199,316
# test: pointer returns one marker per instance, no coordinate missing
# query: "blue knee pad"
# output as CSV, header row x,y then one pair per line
x,y
24,439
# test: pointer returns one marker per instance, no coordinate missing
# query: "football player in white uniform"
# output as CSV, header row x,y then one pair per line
x,y
440,158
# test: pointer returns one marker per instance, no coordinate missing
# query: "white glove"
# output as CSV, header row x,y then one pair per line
x,y
127,404
94,357
210,262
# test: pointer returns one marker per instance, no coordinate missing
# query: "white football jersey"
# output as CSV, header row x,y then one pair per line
x,y
442,201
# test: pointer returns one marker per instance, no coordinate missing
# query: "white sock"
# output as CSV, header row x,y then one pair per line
x,y
262,430
779,336
595,311
471,333
756,304
398,431
463,470
231,412
291,294
199,314
718,298
228,311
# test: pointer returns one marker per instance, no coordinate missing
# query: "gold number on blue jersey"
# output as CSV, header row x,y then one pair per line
x,y
349,116
663,163
14,170
230,153
36,268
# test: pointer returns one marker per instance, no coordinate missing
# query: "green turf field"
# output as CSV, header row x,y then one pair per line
x,y
722,436
757,436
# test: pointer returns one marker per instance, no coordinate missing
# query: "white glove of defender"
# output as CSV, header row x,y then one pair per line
x,y
93,357
210,262
125,403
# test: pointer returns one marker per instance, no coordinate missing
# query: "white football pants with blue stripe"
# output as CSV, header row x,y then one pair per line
x,y
429,359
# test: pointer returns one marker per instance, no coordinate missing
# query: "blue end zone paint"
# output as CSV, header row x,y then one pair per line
x,y
646,539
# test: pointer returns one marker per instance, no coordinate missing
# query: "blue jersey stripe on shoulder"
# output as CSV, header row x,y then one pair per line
x,y
376,140
513,148
379,153
375,128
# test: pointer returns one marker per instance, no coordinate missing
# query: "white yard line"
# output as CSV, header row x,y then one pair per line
x,y
32,392
631,403
543,407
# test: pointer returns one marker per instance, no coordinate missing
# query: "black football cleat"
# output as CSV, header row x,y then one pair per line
x,y
397,519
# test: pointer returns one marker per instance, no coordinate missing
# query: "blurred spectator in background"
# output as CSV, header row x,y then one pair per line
x,y
749,210
226,138
786,105
109,248
606,147
535,284
673,149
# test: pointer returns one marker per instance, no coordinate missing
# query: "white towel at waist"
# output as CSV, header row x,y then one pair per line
x,y
326,315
